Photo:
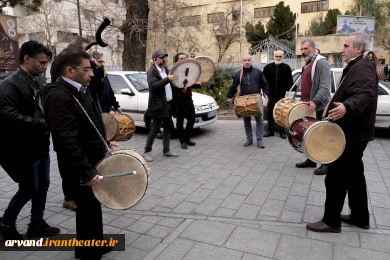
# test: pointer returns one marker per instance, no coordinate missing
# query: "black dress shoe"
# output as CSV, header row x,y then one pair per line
x,y
306,164
43,229
191,143
183,146
322,227
283,135
322,170
269,133
349,220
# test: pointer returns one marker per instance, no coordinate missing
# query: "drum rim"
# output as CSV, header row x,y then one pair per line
x,y
117,124
204,57
287,100
305,135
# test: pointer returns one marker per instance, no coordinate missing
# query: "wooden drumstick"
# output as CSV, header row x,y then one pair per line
x,y
117,175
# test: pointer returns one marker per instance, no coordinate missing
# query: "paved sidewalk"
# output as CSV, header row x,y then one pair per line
x,y
221,200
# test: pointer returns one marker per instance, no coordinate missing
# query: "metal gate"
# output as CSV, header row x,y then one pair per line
x,y
267,48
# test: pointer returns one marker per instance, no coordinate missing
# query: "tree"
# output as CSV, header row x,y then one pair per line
x,y
135,34
281,24
255,33
33,5
320,26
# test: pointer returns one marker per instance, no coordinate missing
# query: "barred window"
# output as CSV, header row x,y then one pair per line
x,y
316,6
190,21
264,12
215,17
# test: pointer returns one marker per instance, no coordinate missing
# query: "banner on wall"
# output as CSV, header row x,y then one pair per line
x,y
347,24
9,47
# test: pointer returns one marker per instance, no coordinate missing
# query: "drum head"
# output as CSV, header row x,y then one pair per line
x,y
121,192
323,142
299,111
112,127
207,69
188,72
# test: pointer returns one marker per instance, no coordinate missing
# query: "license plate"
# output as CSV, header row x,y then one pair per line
x,y
212,113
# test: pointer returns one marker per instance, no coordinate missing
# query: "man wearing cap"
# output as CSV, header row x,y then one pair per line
x,y
159,105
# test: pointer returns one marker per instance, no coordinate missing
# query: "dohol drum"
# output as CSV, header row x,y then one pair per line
x,y
287,110
122,192
119,127
321,141
249,105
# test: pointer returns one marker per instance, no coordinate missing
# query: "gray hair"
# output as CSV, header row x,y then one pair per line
x,y
361,38
279,51
97,55
310,41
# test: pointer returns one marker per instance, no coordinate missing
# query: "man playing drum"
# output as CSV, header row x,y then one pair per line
x,y
77,128
315,89
252,82
353,108
279,79
159,105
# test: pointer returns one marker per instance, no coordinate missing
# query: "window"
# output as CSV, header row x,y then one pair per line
x,y
65,36
264,12
215,17
190,21
117,83
139,81
316,6
235,15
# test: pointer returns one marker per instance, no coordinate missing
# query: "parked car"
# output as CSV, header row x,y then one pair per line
x,y
132,92
383,107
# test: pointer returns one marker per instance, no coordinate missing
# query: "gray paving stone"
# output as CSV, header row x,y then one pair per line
x,y
382,216
210,232
271,175
254,257
209,252
232,180
316,198
247,211
146,243
198,196
300,189
294,231
253,241
215,167
304,177
148,203
130,237
208,206
342,252
222,192
212,183
291,216
241,171
122,222
253,177
140,226
376,242
185,207
170,222
173,200
272,208
292,247
189,187
159,231
176,250
232,165
295,203
244,188
344,238
376,186
223,212
260,167
379,200
313,213
264,185
279,193
233,201
318,185
284,181
132,253
278,166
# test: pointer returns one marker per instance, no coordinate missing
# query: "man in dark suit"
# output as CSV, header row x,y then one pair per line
x,y
353,108
159,105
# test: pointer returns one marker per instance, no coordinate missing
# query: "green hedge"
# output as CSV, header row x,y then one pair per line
x,y
218,86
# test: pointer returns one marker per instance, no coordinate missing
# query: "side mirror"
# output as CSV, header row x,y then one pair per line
x,y
126,91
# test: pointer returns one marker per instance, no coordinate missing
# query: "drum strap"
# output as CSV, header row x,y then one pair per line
x,y
108,150
239,85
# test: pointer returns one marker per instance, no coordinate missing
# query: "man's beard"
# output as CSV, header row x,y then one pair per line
x,y
307,57
277,62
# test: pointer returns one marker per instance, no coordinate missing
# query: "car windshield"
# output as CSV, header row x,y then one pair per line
x,y
139,81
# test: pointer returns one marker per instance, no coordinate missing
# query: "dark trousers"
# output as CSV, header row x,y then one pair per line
x,y
271,120
157,121
34,187
346,174
185,109
68,184
89,220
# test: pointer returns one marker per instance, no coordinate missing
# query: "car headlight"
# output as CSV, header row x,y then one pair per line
x,y
197,108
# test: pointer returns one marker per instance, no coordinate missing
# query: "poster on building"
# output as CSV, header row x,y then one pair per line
x,y
349,24
9,47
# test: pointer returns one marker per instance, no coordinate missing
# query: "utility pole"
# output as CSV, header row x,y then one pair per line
x,y
79,17
240,28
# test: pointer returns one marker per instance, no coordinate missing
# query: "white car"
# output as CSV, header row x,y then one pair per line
x,y
383,107
132,92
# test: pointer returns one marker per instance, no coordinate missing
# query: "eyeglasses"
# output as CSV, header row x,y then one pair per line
x,y
86,69
101,61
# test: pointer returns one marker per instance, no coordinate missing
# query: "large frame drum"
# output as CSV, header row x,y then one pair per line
x,y
321,141
207,69
287,110
188,72
126,191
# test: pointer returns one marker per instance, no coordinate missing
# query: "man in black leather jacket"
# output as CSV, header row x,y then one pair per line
x,y
26,139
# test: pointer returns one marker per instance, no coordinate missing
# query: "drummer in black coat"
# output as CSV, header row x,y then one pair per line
x,y
77,142
353,108
159,105
279,79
